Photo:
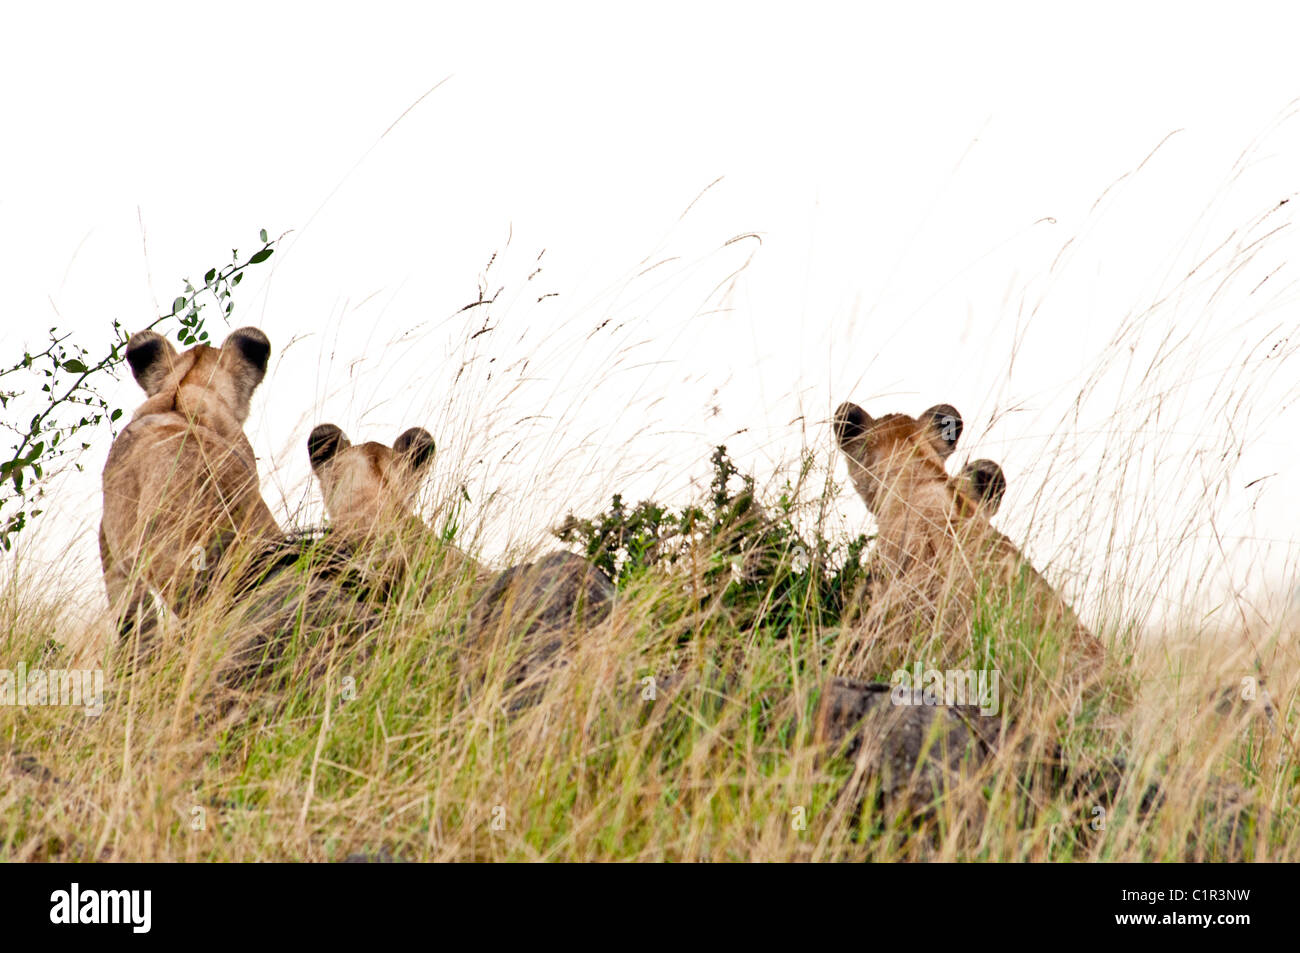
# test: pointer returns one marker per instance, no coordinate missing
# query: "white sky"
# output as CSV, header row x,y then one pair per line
x,y
913,171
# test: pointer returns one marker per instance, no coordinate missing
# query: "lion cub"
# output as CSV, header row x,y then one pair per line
x,y
181,485
369,493
935,543
368,486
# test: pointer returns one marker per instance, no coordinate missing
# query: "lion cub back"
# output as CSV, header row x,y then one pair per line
x,y
180,484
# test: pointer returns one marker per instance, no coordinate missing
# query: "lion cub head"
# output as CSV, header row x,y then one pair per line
x,y
897,460
369,486
211,385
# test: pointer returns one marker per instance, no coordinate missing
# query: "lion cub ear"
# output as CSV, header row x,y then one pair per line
x,y
415,446
850,422
945,427
324,443
151,357
251,350
987,483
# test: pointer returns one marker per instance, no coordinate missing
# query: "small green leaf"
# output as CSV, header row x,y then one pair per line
x,y
179,304
261,256
212,273
262,234
75,366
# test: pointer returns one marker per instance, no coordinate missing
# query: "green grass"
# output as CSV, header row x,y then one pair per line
x,y
415,757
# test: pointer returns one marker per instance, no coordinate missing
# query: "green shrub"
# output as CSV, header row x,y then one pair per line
x,y
748,558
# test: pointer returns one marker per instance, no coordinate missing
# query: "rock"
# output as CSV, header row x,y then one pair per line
x,y
542,604
914,752
557,591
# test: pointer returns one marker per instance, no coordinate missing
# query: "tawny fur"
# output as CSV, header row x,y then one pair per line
x,y
181,485
369,493
935,545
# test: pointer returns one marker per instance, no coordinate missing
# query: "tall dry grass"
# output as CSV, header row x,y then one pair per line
x,y
389,744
